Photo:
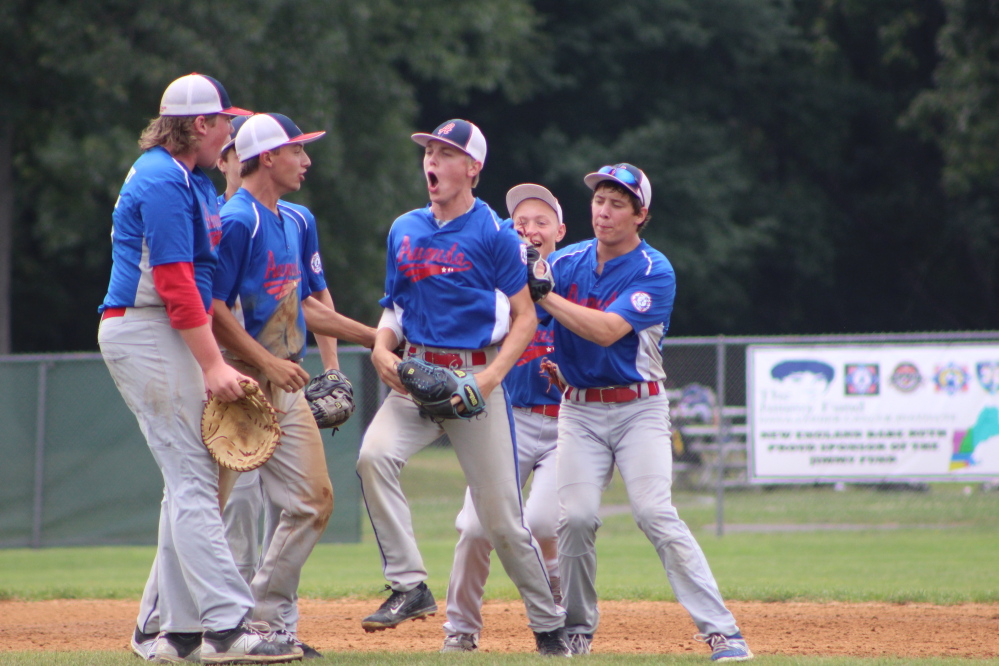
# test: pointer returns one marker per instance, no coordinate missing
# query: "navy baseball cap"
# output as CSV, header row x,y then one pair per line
x,y
237,122
267,131
628,175
459,133
197,95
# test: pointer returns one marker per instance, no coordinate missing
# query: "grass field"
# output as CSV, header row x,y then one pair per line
x,y
940,547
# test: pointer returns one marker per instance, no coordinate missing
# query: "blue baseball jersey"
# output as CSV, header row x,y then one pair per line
x,y
315,274
450,286
165,214
263,265
640,287
526,385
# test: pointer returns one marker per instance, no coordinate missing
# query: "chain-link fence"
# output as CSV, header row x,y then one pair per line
x,y
75,469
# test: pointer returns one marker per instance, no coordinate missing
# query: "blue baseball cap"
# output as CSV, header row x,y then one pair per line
x,y
459,133
267,131
197,95
628,175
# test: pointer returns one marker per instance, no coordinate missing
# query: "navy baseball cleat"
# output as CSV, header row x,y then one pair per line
x,y
552,643
415,604
726,648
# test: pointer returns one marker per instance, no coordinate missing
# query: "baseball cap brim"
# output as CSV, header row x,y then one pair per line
x,y
521,193
235,111
643,192
423,139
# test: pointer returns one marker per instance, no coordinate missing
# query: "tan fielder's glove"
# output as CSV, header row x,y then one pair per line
x,y
241,435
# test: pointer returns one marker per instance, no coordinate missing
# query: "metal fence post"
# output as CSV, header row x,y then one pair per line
x,y
722,434
36,518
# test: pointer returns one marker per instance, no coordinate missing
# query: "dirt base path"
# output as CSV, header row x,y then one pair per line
x,y
627,627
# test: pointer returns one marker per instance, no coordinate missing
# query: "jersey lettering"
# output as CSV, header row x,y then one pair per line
x,y
418,263
589,302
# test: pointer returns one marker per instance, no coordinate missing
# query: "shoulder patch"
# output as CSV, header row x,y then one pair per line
x,y
641,301
523,253
316,263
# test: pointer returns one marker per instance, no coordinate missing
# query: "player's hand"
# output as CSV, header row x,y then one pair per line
x,y
286,375
385,363
486,381
223,381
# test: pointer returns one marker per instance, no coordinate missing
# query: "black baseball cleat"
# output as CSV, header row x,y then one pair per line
x,y
415,604
552,643
173,648
248,643
142,643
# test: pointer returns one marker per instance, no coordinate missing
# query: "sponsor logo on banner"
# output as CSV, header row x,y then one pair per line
x,y
988,375
951,379
862,379
906,377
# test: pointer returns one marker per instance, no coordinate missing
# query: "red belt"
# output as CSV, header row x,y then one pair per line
x,y
547,410
612,394
112,312
451,360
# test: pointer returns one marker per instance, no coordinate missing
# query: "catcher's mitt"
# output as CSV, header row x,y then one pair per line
x,y
433,386
331,398
243,434
539,275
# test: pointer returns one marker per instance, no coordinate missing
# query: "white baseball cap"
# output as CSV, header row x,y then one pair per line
x,y
267,131
628,175
197,95
459,133
526,191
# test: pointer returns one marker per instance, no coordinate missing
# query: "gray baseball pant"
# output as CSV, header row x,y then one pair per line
x,y
486,452
536,438
636,436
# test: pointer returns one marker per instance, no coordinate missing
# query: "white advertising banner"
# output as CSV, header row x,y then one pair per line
x,y
927,412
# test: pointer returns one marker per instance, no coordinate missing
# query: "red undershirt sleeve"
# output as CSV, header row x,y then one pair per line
x,y
176,286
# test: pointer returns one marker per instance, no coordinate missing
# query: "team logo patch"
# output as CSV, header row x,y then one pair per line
x,y
316,263
523,254
951,379
988,375
641,301
906,377
446,129
862,379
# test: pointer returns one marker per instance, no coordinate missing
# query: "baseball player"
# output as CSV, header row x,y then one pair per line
x,y
241,514
455,288
156,339
262,303
537,217
612,303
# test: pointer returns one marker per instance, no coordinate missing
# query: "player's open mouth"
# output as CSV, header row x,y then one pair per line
x,y
432,180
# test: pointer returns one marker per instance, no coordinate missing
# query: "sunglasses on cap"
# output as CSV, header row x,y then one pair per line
x,y
620,171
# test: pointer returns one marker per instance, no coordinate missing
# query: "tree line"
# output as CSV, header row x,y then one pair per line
x,y
817,165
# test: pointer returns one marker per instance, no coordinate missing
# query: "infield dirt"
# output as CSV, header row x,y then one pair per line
x,y
627,627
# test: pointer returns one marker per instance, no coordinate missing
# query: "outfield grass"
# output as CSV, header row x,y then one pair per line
x,y
952,562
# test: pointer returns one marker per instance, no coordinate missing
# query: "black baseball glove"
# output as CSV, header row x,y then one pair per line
x,y
539,275
331,398
433,386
